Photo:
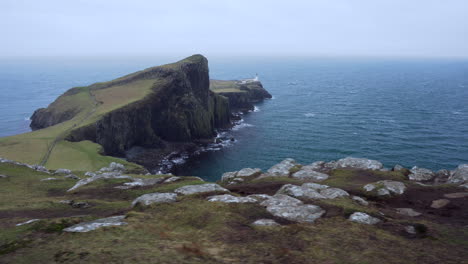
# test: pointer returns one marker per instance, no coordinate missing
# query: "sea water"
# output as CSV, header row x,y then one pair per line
x,y
398,111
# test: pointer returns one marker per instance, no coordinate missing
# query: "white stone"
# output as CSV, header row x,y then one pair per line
x,y
227,198
201,188
93,225
152,198
363,218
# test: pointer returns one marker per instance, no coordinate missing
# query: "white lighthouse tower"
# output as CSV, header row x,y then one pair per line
x,y
256,78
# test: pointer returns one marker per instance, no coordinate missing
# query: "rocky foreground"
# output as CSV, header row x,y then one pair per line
x,y
352,210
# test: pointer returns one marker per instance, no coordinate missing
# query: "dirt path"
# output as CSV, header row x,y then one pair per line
x,y
62,135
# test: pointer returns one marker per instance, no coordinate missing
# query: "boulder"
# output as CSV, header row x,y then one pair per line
x,y
332,193
152,198
309,174
173,179
265,222
386,187
248,172
397,167
93,225
437,204
238,176
363,218
281,200
420,174
113,166
227,198
63,171
459,175
300,192
304,213
456,195
441,176
40,168
144,182
407,212
282,169
96,177
71,176
360,200
201,188
315,186
228,176
3,176
355,163
260,197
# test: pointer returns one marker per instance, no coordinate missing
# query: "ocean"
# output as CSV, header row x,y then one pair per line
x,y
399,111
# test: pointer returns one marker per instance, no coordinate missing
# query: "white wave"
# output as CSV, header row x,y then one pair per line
x,y
27,119
256,109
241,125
309,115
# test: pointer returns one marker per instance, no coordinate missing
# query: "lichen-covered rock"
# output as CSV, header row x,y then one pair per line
x,y
281,200
238,176
420,174
265,222
386,187
332,193
228,176
355,163
71,176
309,173
63,171
40,168
248,172
300,192
152,198
363,218
315,186
93,225
408,212
202,188
459,175
282,169
305,213
260,197
227,198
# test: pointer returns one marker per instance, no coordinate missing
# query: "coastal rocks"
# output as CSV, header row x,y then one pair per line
x,y
239,176
227,198
96,177
420,174
93,225
459,175
282,169
363,218
407,212
397,167
437,204
355,163
265,222
360,200
173,179
202,188
281,200
309,173
63,171
152,198
292,209
386,187
303,192
142,182
40,168
260,197
332,193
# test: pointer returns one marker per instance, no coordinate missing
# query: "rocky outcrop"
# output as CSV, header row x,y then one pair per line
x,y
363,218
282,169
93,225
201,188
152,198
386,187
241,94
459,175
292,209
421,174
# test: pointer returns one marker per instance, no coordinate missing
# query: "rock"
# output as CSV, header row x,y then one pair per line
x,y
408,212
86,181
300,192
173,179
420,174
397,167
360,200
437,204
456,195
3,176
69,202
227,198
315,186
228,176
80,204
28,222
459,175
93,225
265,222
309,173
63,171
281,200
410,230
301,213
40,168
144,182
464,186
363,218
248,172
72,176
318,166
332,193
386,187
441,176
260,197
113,166
355,163
201,188
282,169
49,179
152,198
90,174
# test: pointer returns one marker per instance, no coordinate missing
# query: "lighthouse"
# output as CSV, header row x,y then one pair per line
x,y
256,78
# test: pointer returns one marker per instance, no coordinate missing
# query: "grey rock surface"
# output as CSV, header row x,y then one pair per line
x,y
93,225
96,177
201,188
440,203
300,192
386,187
332,193
309,173
63,171
363,218
265,222
260,197
281,200
305,213
459,175
152,198
282,169
360,200
355,163
227,198
408,212
421,174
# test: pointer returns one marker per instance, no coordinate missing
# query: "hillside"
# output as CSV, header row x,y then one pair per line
x,y
346,211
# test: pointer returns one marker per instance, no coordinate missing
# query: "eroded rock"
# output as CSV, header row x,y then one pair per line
x,y
282,169
201,188
421,174
304,213
332,193
309,173
360,200
300,192
63,171
93,225
96,177
355,163
152,198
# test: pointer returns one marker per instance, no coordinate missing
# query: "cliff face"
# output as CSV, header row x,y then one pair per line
x,y
241,95
179,107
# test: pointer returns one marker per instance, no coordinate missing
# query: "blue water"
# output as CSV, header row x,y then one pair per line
x,y
411,112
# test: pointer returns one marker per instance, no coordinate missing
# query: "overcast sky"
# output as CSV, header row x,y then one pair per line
x,y
429,28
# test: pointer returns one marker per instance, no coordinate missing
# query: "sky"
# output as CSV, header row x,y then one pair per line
x,y
395,28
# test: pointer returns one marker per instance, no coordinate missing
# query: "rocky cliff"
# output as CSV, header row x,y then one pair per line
x,y
178,106
241,94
